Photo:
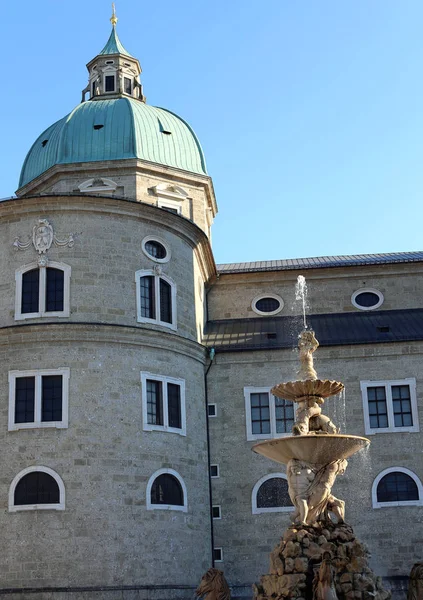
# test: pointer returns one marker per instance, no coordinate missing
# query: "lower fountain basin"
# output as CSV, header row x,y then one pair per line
x,y
316,449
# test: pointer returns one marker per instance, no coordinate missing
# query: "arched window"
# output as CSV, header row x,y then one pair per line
x,y
37,488
397,486
166,490
156,299
270,494
42,291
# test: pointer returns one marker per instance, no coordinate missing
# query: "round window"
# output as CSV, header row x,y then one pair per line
x,y
367,299
156,249
267,304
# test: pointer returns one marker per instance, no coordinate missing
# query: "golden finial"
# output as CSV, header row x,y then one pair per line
x,y
113,18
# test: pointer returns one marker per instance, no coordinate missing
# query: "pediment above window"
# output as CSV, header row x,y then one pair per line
x,y
98,185
166,190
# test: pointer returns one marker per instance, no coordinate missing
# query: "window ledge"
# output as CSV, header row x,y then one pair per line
x,y
403,503
167,507
20,507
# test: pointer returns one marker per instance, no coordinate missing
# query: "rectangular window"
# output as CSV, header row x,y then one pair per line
x,y
55,279
42,291
109,85
218,554
127,84
163,401
165,301
212,410
156,299
38,399
214,471
389,406
267,416
216,512
30,291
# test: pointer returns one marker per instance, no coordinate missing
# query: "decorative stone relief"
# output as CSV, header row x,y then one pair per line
x,y
43,237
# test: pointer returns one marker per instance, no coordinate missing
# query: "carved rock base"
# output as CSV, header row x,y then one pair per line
x,y
295,561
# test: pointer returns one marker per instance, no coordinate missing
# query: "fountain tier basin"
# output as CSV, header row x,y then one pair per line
x,y
319,388
316,449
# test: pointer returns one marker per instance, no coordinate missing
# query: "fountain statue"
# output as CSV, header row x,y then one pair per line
x,y
319,556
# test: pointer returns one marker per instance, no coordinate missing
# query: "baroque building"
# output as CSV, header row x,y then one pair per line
x,y
137,373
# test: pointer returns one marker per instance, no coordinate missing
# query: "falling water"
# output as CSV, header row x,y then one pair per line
x,y
301,294
339,411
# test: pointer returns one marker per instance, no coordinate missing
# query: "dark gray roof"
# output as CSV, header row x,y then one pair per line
x,y
321,262
331,330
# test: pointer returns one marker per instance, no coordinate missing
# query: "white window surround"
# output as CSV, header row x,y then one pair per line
x,y
87,186
155,238
19,316
261,436
255,509
157,278
164,380
172,204
217,469
107,72
377,504
387,384
151,506
362,291
56,477
212,416
37,423
268,295
221,554
220,512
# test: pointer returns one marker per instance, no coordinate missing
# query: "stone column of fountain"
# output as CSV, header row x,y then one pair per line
x,y
319,556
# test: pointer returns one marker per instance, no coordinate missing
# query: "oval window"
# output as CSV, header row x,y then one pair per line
x,y
267,304
156,249
367,299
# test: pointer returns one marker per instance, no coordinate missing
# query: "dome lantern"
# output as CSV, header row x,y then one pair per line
x,y
113,73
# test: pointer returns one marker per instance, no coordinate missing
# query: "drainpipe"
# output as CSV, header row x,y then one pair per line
x,y
212,353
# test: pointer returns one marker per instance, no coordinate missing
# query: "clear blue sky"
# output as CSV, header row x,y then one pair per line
x,y
310,113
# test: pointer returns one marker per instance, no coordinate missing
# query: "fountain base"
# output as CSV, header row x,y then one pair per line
x,y
320,561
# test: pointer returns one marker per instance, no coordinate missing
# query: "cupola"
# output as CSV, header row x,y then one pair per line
x,y
113,73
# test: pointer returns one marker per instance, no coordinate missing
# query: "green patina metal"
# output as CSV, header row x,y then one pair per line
x,y
130,129
114,45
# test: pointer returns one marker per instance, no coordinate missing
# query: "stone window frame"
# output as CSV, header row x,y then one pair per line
x,y
210,415
21,507
274,509
42,313
155,238
387,384
379,477
110,71
219,507
37,423
220,550
217,471
177,507
86,187
164,381
362,291
248,390
157,277
267,295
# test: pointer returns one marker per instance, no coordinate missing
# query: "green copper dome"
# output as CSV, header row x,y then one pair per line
x,y
115,129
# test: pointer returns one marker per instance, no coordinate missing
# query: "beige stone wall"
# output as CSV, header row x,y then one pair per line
x,y
330,290
392,534
105,536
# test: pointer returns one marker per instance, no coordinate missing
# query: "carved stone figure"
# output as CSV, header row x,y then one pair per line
x,y
323,583
307,345
308,417
310,490
415,585
213,583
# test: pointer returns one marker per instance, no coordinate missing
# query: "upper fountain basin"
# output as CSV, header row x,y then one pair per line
x,y
315,449
292,390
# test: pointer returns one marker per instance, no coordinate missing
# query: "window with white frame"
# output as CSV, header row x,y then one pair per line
x,y
270,494
397,486
266,415
156,298
166,490
163,403
37,488
389,406
42,291
170,205
38,398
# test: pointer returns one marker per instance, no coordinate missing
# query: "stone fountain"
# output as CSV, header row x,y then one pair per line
x,y
319,557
